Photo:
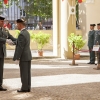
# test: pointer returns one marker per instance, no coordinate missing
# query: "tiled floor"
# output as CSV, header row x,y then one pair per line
x,y
54,79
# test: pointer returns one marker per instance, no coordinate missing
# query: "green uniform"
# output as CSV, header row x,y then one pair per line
x,y
23,54
97,39
91,37
4,34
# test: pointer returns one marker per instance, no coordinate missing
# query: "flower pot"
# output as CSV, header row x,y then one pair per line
x,y
77,56
40,53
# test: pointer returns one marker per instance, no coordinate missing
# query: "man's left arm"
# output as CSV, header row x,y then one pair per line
x,y
20,47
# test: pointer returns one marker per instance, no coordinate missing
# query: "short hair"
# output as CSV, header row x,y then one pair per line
x,y
92,25
98,24
22,21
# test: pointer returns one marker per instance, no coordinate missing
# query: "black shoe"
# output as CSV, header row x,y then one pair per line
x,y
92,63
23,90
89,63
2,89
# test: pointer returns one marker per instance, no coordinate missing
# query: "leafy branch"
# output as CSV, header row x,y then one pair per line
x,y
78,41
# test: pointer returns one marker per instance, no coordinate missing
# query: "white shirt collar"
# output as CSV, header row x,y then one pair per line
x,y
22,29
91,30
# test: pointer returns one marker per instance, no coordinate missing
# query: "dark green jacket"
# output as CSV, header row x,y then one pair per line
x,y
97,37
4,34
22,51
91,37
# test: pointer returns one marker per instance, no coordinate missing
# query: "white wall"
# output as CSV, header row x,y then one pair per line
x,y
89,13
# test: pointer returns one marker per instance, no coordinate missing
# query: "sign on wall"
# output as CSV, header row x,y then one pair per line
x,y
89,1
72,10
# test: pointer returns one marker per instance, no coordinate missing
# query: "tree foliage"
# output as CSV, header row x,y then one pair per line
x,y
79,42
41,8
41,39
9,3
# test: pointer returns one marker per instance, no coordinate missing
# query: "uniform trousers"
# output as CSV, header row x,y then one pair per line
x,y
1,70
25,74
92,55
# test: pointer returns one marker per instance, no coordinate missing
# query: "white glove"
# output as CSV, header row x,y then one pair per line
x,y
9,41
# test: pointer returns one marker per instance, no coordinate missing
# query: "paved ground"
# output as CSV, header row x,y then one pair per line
x,y
54,79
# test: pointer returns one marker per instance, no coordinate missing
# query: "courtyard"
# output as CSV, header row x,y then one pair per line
x,y
53,79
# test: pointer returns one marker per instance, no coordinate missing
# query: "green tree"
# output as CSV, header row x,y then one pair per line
x,y
34,7
9,3
2,5
41,8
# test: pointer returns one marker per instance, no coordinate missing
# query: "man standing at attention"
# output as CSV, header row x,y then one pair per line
x,y
4,38
91,37
23,55
97,42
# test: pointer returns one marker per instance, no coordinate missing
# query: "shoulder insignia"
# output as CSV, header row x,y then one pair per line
x,y
6,29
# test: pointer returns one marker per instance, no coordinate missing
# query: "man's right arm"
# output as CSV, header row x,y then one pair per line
x,y
20,47
3,41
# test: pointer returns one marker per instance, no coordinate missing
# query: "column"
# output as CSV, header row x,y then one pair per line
x,y
56,44
68,25
63,25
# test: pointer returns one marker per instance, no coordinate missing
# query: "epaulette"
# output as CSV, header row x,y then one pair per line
x,y
6,29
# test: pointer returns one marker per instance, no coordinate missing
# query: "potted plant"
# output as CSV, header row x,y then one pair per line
x,y
76,42
41,39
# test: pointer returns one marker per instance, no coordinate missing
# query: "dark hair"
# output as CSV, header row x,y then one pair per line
x,y
23,23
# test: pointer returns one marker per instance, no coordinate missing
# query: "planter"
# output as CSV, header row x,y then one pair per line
x,y
77,56
40,53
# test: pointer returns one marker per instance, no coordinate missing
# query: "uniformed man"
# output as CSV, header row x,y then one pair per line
x,y
91,37
23,55
4,38
97,42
